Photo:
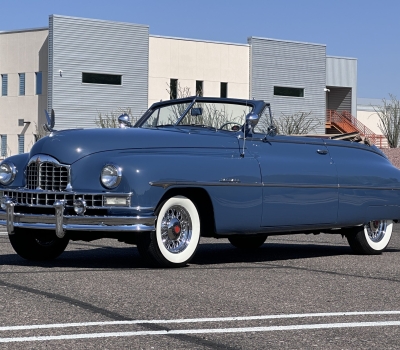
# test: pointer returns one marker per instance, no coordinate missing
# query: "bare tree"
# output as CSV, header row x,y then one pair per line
x,y
300,123
389,119
110,120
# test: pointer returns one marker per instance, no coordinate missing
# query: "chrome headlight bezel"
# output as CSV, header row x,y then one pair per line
x,y
110,176
9,171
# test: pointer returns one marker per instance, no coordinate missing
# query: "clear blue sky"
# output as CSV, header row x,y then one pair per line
x,y
367,30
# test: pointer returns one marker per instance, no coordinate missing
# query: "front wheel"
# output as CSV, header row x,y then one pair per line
x,y
177,234
37,245
247,242
372,238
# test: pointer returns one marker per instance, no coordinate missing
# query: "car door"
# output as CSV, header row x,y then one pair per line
x,y
299,177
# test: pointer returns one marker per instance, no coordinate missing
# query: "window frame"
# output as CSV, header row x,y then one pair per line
x,y
101,74
302,89
3,145
21,143
36,83
173,89
22,84
4,86
225,84
199,88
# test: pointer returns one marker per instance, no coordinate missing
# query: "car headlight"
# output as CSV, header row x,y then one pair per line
x,y
111,176
7,173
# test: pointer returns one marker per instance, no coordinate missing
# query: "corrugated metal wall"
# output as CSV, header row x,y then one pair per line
x,y
339,99
342,72
79,45
289,64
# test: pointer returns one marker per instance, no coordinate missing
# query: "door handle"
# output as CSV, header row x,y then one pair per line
x,y
322,151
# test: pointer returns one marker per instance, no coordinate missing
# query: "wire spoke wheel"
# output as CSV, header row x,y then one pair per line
x,y
176,229
376,230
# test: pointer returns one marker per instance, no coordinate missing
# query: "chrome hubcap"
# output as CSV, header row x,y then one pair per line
x,y
176,229
376,230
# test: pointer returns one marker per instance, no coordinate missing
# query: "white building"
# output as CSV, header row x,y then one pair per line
x,y
81,67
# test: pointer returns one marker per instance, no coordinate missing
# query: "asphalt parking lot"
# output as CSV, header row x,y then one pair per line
x,y
295,292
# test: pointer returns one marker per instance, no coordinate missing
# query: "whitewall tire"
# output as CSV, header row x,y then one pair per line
x,y
372,238
177,234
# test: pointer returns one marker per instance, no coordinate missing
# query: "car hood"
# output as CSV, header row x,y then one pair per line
x,y
68,146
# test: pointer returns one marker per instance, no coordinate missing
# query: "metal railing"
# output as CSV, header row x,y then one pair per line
x,y
345,122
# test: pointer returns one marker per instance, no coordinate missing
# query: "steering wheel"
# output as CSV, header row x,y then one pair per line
x,y
235,126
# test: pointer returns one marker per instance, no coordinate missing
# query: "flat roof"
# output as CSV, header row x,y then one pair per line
x,y
197,40
285,41
99,20
342,57
24,30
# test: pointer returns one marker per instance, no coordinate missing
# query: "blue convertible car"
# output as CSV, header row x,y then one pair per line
x,y
195,167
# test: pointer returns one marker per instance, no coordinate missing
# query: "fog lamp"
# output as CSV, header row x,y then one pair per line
x,y
116,201
80,206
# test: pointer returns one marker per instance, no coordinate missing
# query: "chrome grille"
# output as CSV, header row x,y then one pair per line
x,y
42,199
46,175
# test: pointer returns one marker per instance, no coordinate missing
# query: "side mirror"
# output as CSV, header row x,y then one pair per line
x,y
123,121
252,119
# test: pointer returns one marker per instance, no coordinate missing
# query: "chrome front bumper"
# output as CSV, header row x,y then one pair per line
x,y
62,223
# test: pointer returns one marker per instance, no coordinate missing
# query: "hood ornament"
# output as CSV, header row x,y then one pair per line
x,y
48,127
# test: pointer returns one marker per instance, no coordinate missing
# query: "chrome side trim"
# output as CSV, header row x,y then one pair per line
x,y
236,182
199,183
369,188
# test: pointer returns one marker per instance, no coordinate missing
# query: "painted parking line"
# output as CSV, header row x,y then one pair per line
x,y
200,331
203,331
197,320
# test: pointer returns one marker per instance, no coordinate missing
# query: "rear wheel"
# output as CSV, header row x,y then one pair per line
x,y
372,238
247,242
37,245
177,234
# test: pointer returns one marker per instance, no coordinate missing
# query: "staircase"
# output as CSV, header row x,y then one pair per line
x,y
344,122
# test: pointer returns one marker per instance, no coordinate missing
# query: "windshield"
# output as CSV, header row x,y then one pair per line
x,y
223,116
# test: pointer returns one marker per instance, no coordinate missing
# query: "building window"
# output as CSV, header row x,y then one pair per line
x,y
288,91
173,89
38,83
21,84
224,90
21,143
199,88
4,145
4,84
106,79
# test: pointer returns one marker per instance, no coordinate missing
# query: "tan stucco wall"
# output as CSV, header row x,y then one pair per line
x,y
190,60
23,52
370,119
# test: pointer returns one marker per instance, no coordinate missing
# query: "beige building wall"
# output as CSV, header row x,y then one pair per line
x,y
370,120
23,52
190,60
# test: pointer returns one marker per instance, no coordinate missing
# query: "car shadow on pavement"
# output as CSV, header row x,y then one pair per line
x,y
105,257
